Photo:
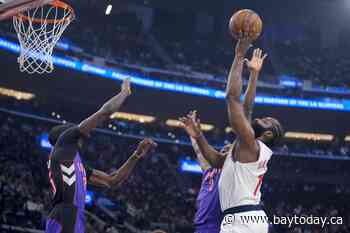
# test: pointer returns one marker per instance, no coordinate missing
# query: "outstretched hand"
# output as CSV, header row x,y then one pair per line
x,y
144,147
256,63
191,124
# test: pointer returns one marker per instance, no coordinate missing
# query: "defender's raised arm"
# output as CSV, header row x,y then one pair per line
x,y
111,106
205,152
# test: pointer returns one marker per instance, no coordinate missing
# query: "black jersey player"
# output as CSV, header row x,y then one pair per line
x,y
67,174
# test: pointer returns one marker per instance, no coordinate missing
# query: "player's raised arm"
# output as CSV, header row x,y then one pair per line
x,y
239,122
203,163
205,152
111,106
254,65
100,178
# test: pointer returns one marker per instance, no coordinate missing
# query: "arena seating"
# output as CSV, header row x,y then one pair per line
x,y
157,194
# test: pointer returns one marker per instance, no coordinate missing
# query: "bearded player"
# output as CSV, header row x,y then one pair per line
x,y
68,175
208,216
243,170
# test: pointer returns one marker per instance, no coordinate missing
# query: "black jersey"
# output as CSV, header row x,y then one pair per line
x,y
67,174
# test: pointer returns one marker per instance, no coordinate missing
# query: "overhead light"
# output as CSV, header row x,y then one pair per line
x,y
309,136
20,95
228,130
108,9
347,138
132,117
177,123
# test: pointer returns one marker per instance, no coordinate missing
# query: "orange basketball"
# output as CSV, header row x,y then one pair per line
x,y
244,21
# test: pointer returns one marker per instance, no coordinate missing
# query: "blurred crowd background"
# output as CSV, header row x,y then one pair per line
x,y
159,195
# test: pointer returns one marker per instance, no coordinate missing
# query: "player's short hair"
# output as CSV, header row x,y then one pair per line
x,y
275,127
56,132
277,130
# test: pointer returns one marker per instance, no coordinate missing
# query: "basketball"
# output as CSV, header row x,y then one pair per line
x,y
246,21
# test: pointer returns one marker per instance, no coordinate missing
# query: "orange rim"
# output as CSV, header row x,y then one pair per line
x,y
55,3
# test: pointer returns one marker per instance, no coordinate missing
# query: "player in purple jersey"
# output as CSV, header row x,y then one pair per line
x,y
67,174
208,215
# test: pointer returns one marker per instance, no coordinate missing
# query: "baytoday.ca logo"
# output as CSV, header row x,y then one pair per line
x,y
282,220
307,220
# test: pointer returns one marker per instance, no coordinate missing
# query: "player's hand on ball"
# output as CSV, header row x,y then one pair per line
x,y
191,124
243,44
126,86
256,63
144,147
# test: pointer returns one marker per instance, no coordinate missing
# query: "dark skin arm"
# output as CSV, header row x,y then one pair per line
x,y
200,158
192,126
114,179
206,153
103,114
254,66
215,158
247,146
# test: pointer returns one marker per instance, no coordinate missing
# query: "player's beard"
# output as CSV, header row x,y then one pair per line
x,y
258,129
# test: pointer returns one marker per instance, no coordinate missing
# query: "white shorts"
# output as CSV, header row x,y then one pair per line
x,y
246,222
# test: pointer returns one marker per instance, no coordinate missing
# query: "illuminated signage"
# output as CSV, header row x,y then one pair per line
x,y
190,166
335,105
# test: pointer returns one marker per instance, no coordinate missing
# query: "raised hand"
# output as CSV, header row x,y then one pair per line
x,y
191,124
108,108
255,64
144,147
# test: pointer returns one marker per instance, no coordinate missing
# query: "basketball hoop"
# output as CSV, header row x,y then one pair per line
x,y
38,30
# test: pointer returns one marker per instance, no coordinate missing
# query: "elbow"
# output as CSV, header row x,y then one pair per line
x,y
110,181
114,181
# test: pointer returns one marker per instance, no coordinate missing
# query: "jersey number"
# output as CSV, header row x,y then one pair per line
x,y
258,185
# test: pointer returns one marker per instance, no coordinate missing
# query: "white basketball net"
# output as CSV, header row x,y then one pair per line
x,y
38,37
